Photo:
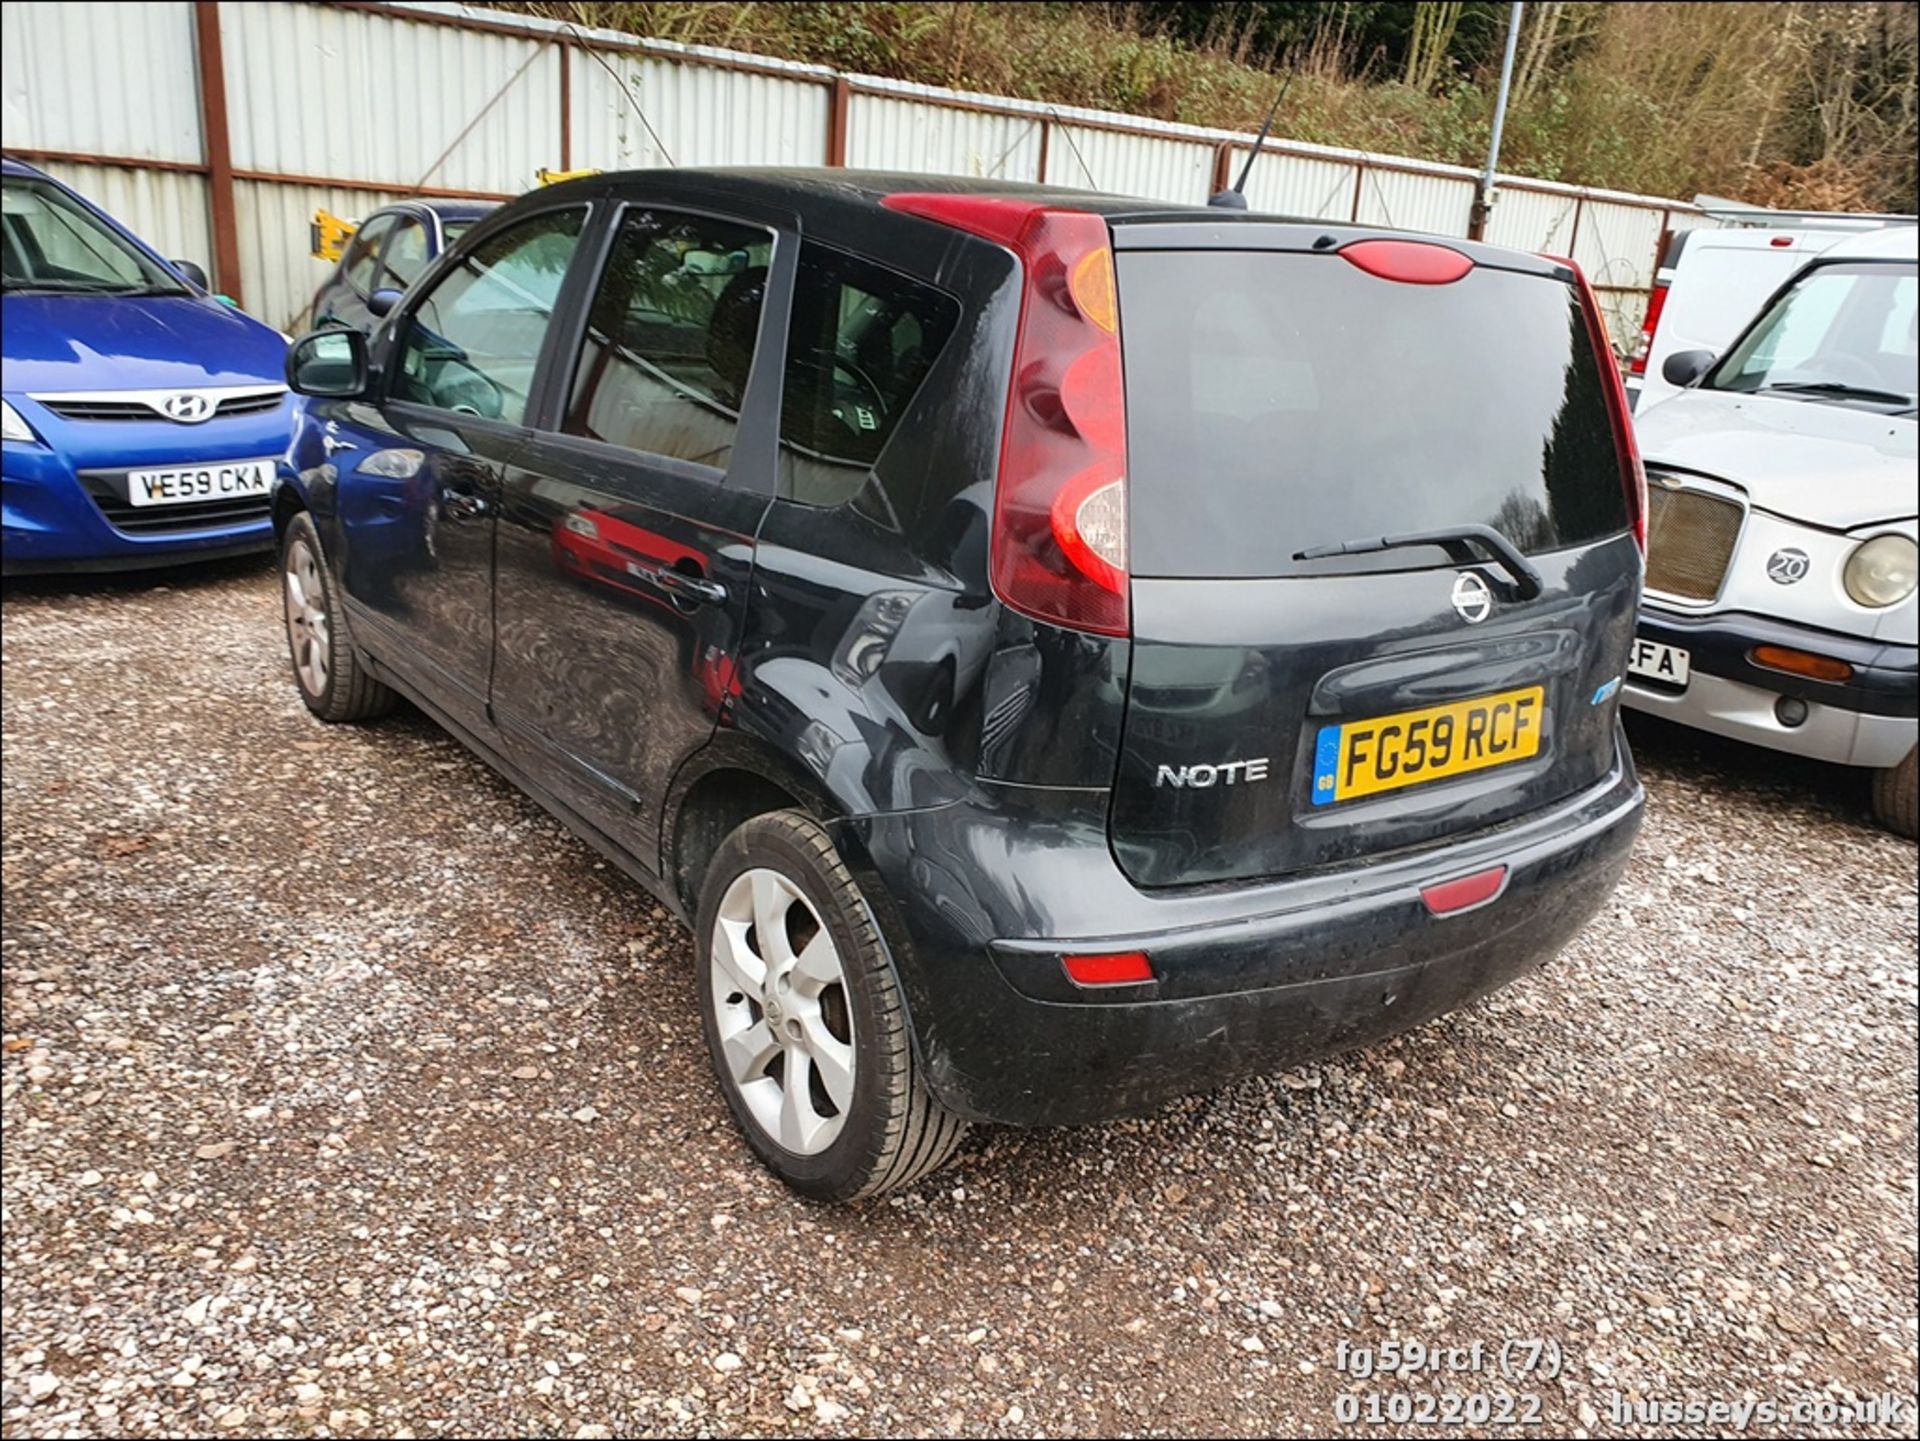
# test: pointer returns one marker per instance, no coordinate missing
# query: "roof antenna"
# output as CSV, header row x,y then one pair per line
x,y
1236,199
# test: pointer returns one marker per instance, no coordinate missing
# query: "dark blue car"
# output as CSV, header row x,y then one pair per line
x,y
142,415
391,249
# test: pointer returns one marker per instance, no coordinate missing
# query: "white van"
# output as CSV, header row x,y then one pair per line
x,y
1783,545
1710,283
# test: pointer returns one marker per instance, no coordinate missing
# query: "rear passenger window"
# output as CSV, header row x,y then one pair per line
x,y
862,339
670,338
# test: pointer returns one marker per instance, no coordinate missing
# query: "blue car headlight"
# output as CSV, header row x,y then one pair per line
x,y
12,427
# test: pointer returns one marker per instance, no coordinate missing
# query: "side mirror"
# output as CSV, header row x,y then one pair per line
x,y
1684,367
192,272
382,301
328,363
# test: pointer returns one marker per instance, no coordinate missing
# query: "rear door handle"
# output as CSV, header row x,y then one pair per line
x,y
681,586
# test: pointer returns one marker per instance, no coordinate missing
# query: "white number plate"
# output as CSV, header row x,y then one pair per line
x,y
214,480
1651,660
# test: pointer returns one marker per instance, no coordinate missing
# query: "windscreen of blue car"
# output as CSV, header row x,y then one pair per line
x,y
50,243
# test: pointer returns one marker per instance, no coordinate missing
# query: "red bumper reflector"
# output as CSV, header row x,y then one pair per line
x,y
1449,896
1128,968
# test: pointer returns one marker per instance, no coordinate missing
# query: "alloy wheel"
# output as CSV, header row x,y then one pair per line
x,y
307,626
779,995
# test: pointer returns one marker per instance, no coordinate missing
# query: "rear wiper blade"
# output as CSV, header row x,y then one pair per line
x,y
1456,540
1839,387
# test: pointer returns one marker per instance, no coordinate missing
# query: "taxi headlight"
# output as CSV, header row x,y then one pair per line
x,y
1882,571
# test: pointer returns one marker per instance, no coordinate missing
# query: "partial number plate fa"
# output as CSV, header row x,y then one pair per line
x,y
213,480
1362,758
1653,660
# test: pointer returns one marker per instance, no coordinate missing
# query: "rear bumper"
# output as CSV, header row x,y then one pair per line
x,y
1869,720
1250,979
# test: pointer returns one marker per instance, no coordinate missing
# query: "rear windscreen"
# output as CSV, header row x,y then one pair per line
x,y
1280,401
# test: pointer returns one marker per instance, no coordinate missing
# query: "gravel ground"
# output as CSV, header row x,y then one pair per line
x,y
345,1093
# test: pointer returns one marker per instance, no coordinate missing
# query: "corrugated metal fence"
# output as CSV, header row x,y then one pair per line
x,y
216,130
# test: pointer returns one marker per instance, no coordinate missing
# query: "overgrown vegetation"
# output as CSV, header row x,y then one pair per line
x,y
1808,103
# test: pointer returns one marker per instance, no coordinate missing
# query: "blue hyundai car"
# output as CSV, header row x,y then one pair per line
x,y
142,415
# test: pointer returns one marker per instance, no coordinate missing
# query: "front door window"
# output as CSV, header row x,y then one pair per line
x,y
473,343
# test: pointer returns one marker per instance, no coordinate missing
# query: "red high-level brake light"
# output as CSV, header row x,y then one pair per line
x,y
1059,550
1411,262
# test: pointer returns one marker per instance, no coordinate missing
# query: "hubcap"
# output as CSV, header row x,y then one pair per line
x,y
780,1000
307,632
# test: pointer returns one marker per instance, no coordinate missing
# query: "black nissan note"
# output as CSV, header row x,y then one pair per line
x,y
1057,652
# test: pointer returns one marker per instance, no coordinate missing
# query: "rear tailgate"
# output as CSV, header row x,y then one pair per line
x,y
1289,711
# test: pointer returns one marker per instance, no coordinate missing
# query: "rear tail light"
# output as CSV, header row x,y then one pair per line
x,y
1127,968
1059,551
1656,303
1633,477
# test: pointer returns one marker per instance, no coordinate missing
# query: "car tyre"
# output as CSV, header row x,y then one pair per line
x,y
1896,796
326,669
796,984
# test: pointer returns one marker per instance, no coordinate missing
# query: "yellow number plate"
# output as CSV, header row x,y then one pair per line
x,y
1362,758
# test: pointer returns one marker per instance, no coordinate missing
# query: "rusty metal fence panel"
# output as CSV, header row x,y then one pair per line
x,y
319,90
1099,159
1303,185
906,132
1407,200
111,78
1534,220
631,112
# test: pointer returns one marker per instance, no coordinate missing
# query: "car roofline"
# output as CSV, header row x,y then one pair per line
x,y
785,187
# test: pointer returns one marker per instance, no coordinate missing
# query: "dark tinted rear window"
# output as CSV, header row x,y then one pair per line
x,y
861,339
1280,401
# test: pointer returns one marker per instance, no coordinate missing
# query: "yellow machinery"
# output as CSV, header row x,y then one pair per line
x,y
329,235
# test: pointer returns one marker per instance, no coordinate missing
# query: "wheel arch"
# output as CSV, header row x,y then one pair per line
x,y
287,503
730,780
736,777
